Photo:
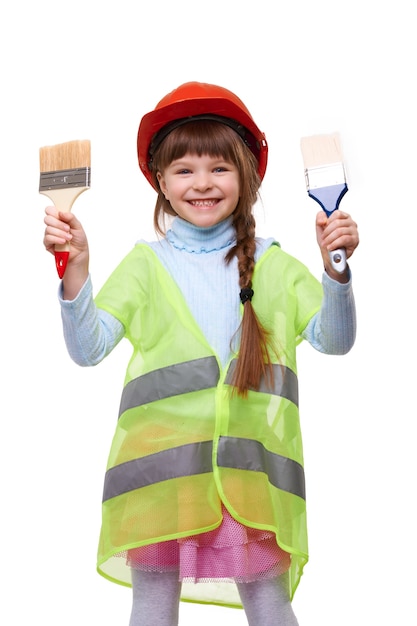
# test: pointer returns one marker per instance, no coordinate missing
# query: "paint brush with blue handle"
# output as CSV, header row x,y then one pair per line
x,y
326,180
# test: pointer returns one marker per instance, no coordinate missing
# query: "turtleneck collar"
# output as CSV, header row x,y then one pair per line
x,y
185,236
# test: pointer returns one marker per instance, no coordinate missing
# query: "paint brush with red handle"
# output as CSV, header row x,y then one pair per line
x,y
64,174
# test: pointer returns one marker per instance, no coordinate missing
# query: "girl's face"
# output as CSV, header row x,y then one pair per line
x,y
203,190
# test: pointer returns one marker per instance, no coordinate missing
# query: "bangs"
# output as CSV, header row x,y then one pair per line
x,y
199,138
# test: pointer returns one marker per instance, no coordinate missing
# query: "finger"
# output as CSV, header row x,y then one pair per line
x,y
55,227
51,210
338,214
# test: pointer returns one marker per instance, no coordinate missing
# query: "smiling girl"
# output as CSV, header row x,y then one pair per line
x,y
204,491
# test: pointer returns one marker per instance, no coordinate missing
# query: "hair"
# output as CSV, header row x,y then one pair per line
x,y
216,139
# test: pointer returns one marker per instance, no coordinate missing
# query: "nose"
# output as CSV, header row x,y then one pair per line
x,y
202,181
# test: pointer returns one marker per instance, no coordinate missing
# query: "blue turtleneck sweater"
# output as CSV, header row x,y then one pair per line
x,y
194,257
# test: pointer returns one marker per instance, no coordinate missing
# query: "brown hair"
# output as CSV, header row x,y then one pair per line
x,y
216,139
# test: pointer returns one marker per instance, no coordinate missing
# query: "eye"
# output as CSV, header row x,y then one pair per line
x,y
220,169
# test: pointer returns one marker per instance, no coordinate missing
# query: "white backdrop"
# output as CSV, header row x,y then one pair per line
x,y
88,69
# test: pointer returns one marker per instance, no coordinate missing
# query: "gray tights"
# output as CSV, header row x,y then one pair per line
x,y
156,600
267,602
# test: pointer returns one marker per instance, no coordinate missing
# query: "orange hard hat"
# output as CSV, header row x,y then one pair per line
x,y
195,100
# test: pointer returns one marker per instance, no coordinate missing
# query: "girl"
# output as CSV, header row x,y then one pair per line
x,y
205,478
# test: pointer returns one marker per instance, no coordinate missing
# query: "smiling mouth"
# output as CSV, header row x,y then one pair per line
x,y
203,203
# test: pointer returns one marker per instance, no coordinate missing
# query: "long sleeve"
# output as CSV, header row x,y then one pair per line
x,y
333,329
90,333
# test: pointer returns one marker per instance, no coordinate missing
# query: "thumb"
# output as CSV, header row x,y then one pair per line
x,y
69,218
321,219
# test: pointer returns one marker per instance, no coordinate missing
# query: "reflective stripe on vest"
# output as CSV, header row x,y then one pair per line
x,y
285,382
192,458
170,381
247,454
196,458
194,376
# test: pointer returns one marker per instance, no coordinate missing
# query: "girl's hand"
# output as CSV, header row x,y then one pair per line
x,y
337,231
64,228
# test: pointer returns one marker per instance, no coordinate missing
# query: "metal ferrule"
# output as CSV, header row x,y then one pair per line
x,y
325,176
64,179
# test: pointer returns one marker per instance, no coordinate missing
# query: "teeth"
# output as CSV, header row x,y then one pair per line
x,y
203,202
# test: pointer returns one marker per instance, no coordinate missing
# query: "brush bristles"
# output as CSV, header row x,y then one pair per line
x,y
65,156
319,150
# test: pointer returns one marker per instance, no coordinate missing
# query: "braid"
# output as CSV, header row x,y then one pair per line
x,y
254,360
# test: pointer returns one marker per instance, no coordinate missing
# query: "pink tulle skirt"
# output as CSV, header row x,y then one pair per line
x,y
231,552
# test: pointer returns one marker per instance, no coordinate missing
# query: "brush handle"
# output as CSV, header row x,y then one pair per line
x,y
338,260
337,257
63,200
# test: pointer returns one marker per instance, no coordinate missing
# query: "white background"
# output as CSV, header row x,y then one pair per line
x,y
90,70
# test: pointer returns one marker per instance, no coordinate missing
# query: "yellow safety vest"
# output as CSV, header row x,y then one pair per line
x,y
183,443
